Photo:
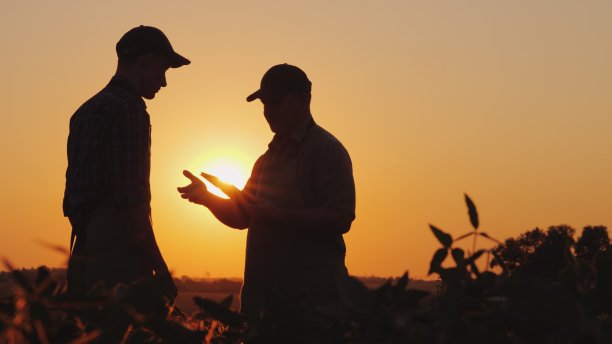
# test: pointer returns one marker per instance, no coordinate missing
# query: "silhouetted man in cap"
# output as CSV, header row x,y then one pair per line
x,y
297,203
107,196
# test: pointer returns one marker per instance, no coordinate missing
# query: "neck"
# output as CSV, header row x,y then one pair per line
x,y
129,75
291,126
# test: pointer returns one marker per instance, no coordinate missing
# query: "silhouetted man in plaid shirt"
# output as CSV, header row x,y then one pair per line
x,y
107,196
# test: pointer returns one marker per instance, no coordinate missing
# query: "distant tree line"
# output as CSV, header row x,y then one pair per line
x,y
195,284
550,254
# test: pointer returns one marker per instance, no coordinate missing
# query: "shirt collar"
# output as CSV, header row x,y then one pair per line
x,y
121,82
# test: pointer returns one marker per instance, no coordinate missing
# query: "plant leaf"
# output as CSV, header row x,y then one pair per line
x,y
58,248
458,256
219,312
402,283
445,239
436,261
472,211
475,256
227,302
474,269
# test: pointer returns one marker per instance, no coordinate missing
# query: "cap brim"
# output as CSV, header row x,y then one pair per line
x,y
177,60
254,95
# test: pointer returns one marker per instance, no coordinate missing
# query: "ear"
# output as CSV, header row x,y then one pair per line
x,y
302,99
292,99
145,60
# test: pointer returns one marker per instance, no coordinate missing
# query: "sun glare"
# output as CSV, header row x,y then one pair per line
x,y
227,170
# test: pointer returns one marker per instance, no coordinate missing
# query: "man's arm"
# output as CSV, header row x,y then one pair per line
x,y
129,166
141,234
230,212
129,155
237,212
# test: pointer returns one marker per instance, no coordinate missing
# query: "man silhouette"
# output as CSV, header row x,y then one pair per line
x,y
107,196
297,203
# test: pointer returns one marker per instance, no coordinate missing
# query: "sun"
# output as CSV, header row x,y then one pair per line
x,y
227,170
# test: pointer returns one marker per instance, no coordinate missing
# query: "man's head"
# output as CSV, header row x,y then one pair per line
x,y
285,94
145,54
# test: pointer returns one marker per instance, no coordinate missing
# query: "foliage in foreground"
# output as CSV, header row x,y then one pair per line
x,y
551,289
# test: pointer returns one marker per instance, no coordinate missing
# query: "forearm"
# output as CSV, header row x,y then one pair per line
x,y
140,233
230,212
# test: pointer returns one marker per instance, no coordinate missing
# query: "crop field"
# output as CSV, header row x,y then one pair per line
x,y
544,286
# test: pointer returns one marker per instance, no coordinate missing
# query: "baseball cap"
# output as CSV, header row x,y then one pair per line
x,y
281,80
147,39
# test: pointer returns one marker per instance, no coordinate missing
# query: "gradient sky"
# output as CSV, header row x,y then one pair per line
x,y
509,101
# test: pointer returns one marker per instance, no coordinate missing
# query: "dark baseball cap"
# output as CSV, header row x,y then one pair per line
x,y
147,39
281,80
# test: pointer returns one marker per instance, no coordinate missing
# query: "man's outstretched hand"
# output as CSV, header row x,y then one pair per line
x,y
195,192
230,190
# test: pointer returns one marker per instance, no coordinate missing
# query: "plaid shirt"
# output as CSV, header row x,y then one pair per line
x,y
109,150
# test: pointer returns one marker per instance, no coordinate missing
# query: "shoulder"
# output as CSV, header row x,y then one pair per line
x,y
120,100
321,141
258,165
106,102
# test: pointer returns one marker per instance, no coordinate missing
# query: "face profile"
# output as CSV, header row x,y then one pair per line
x,y
282,112
145,54
284,91
274,112
153,74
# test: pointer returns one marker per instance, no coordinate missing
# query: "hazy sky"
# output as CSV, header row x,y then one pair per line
x,y
509,101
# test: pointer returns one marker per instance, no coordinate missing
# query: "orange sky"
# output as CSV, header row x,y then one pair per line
x,y
507,101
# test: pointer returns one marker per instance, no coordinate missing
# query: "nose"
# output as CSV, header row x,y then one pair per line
x,y
163,81
267,112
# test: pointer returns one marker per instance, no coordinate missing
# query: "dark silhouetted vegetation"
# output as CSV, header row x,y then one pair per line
x,y
541,287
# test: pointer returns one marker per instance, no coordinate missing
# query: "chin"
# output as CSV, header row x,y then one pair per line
x,y
148,96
